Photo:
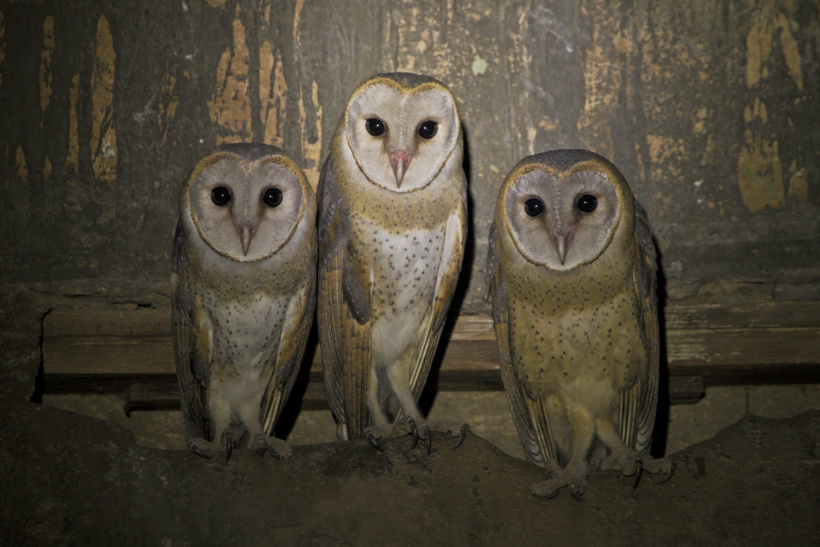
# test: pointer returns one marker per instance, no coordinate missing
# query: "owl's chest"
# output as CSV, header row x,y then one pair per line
x,y
404,264
245,330
578,333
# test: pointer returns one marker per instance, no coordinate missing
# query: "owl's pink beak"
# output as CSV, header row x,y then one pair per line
x,y
560,244
400,160
246,232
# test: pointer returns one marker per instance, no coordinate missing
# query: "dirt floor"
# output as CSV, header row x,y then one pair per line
x,y
73,479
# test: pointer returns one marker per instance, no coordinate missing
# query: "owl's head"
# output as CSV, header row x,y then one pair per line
x,y
401,129
562,208
246,200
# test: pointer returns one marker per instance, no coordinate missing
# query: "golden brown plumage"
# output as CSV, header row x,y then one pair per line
x,y
392,228
572,267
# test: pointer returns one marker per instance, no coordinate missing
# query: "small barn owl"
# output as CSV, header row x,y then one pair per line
x,y
243,287
572,267
392,227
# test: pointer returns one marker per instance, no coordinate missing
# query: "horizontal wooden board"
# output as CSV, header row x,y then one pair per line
x,y
772,342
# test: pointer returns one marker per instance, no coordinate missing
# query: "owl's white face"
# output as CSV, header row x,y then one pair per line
x,y
245,211
562,220
401,137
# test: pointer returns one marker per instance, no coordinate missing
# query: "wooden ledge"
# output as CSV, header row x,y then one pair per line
x,y
132,350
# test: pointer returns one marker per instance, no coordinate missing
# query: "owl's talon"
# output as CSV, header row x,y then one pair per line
x,y
462,434
666,477
261,445
227,441
428,438
638,473
374,440
193,447
577,493
414,431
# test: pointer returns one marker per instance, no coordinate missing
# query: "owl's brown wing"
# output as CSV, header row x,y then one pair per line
x,y
639,404
292,342
343,311
455,236
192,346
498,290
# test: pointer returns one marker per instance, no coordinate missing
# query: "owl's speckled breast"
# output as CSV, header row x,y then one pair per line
x,y
576,325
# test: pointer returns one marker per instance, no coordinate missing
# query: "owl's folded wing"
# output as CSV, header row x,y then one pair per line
x,y
455,235
645,276
520,413
343,311
292,342
192,345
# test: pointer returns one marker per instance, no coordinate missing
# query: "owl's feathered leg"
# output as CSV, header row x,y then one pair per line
x,y
249,414
574,475
628,461
419,427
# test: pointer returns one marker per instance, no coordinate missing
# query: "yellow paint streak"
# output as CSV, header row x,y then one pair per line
x,y
20,163
72,158
759,172
760,43
168,103
798,182
230,105
45,63
272,93
756,111
602,82
47,168
311,148
103,135
546,123
297,14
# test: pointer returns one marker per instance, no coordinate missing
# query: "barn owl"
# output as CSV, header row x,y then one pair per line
x,y
243,287
572,275
392,227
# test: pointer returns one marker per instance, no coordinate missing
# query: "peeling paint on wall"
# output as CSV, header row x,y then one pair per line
x,y
72,158
47,169
230,105
168,103
759,46
798,181
45,63
759,173
20,163
311,144
602,83
103,135
272,93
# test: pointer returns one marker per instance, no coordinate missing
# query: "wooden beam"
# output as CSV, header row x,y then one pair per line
x,y
107,349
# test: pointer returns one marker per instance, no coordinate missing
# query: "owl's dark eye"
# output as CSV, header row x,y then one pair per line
x,y
428,129
220,196
587,203
375,126
534,207
272,197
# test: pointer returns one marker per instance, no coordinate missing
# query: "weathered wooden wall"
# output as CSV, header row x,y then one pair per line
x,y
711,109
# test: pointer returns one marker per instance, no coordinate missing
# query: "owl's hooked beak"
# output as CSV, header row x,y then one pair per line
x,y
400,160
246,232
561,243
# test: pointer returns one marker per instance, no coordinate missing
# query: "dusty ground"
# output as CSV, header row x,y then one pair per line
x,y
72,479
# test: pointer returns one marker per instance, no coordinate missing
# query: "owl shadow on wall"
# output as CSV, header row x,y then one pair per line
x,y
661,430
295,402
431,388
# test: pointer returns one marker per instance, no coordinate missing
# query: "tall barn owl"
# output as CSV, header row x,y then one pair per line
x,y
572,267
392,227
243,287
